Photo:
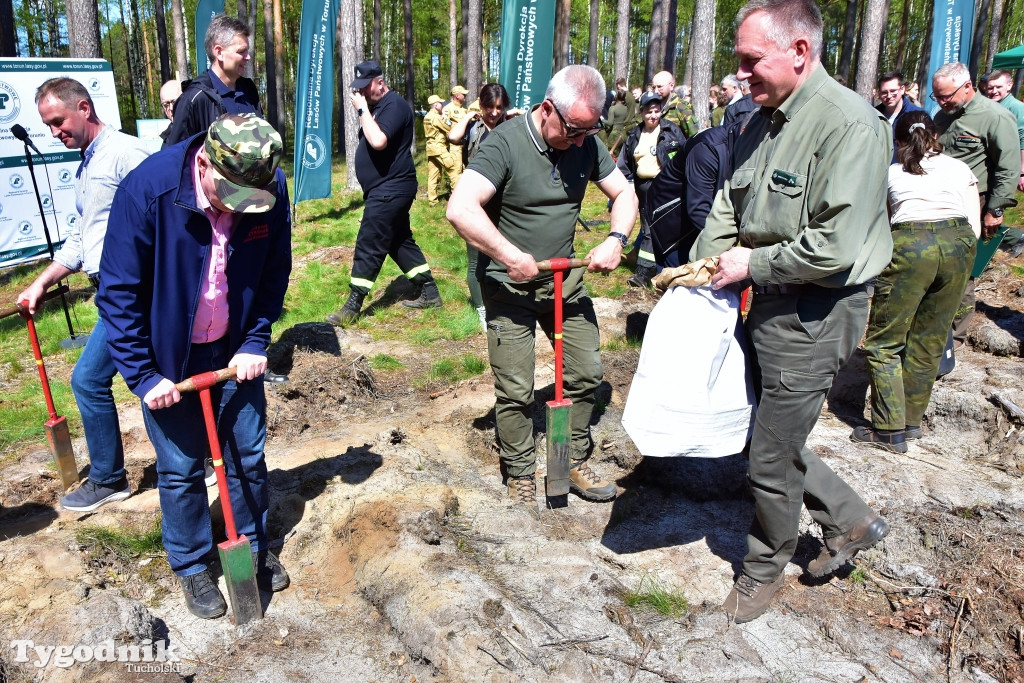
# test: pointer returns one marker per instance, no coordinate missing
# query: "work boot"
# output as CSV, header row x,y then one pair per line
x,y
642,277
749,598
586,484
913,433
202,596
894,441
523,490
270,573
429,297
91,495
841,549
348,313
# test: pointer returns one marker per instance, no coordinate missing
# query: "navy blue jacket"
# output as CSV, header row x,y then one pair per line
x,y
908,106
155,260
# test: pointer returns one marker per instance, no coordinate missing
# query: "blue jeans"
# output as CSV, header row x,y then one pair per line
x,y
91,381
178,434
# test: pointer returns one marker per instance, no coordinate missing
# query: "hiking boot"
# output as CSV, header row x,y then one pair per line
x,y
841,549
749,598
641,277
91,495
913,433
202,596
586,484
429,297
210,476
270,573
523,490
348,313
893,441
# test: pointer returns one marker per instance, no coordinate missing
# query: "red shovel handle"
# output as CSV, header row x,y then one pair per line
x,y
39,360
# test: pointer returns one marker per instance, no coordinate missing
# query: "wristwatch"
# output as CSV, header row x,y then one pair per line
x,y
998,213
623,239
359,112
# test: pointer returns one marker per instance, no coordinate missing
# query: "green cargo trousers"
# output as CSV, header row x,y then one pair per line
x,y
800,340
915,300
513,312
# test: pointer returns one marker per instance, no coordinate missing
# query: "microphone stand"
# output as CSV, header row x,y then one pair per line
x,y
74,341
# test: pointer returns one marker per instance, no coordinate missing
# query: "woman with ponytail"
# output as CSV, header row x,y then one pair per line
x,y
934,211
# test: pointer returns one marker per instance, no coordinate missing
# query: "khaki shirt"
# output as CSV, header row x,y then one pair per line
x,y
807,191
452,113
436,133
984,136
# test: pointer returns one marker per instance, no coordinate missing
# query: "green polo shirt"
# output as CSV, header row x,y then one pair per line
x,y
984,136
537,190
808,190
1015,107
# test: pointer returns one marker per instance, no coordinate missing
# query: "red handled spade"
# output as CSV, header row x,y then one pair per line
x,y
559,411
236,557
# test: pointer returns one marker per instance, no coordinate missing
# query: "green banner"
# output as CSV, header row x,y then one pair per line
x,y
205,10
527,35
314,100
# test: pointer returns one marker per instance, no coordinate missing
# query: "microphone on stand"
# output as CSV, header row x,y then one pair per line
x,y
19,132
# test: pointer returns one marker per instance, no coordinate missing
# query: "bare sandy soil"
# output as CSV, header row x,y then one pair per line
x,y
388,509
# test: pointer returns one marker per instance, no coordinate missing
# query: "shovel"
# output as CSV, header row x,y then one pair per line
x,y
235,555
559,411
57,435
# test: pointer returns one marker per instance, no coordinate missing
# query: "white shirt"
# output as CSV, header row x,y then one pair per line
x,y
948,189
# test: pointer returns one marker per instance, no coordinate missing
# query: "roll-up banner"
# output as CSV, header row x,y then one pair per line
x,y
527,35
314,100
952,31
21,227
205,10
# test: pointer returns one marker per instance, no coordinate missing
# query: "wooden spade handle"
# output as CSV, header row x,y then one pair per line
x,y
553,264
205,380
63,289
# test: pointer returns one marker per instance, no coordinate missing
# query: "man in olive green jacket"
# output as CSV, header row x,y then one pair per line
x,y
803,216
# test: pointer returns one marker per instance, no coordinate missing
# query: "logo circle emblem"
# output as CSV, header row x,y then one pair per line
x,y
16,181
71,219
10,103
314,153
46,201
24,227
65,175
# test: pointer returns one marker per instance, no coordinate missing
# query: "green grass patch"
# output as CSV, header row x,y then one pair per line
x,y
122,544
1017,270
858,576
383,361
662,598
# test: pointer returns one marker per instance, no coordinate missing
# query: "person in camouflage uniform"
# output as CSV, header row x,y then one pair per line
x,y
175,305
673,107
440,159
935,211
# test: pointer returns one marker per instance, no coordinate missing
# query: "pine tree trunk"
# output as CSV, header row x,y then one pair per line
x,y
998,17
180,46
282,114
622,41
563,27
351,50
849,38
375,39
83,28
52,30
474,50
161,41
671,12
702,46
270,64
138,68
980,33
867,62
595,27
688,67
923,65
656,40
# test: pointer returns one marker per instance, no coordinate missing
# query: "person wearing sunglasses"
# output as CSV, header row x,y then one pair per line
x,y
983,135
518,203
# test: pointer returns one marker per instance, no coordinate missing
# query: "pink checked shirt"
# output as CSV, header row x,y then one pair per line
x,y
211,322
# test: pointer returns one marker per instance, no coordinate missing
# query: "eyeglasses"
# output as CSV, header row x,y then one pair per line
x,y
168,103
946,98
889,93
572,131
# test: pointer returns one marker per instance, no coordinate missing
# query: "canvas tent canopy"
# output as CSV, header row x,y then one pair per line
x,y
1009,59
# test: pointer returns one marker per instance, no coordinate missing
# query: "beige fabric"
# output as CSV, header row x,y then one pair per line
x,y
692,274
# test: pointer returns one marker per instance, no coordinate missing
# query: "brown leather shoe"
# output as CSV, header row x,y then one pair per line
x,y
523,490
841,549
587,484
749,598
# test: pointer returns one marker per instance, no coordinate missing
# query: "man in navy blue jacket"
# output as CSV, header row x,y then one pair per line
x,y
194,271
894,102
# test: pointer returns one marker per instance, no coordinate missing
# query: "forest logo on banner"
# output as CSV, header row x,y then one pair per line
x,y
94,85
314,153
10,103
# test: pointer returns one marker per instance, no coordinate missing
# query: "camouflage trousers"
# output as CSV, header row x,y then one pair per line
x,y
915,299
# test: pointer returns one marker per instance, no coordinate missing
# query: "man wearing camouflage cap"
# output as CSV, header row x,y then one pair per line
x,y
439,158
193,274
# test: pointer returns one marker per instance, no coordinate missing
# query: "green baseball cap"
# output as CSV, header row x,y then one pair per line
x,y
244,151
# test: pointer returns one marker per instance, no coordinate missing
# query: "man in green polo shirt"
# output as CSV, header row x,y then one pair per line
x,y
983,135
803,217
517,203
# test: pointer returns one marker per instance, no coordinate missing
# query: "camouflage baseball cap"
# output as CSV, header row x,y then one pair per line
x,y
244,151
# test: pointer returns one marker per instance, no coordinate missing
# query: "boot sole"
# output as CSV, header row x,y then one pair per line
x,y
877,530
586,495
433,303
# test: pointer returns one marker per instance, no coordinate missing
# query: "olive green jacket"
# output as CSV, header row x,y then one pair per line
x,y
808,190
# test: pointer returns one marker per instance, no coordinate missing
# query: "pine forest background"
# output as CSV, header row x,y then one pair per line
x,y
150,41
